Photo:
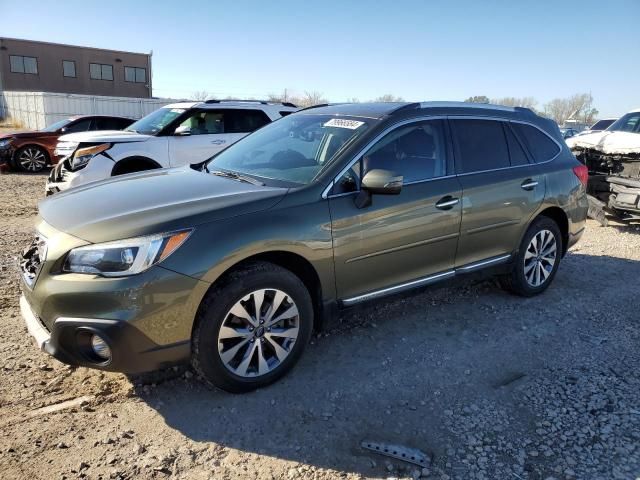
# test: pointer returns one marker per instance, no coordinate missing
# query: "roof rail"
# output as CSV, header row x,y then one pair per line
x,y
230,100
315,106
262,102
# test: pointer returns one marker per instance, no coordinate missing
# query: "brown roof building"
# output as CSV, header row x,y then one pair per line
x,y
31,66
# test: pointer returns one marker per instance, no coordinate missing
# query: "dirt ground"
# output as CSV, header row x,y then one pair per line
x,y
488,384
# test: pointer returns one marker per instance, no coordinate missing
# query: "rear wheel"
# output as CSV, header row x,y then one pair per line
x,y
31,159
252,328
538,259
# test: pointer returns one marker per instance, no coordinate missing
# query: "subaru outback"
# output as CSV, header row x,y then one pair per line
x,y
232,264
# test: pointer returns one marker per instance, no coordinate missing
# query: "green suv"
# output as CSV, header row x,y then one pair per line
x,y
233,264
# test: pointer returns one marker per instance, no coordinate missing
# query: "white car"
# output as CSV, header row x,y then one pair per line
x,y
175,135
599,126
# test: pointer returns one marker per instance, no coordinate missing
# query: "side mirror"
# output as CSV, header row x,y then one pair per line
x,y
182,131
382,182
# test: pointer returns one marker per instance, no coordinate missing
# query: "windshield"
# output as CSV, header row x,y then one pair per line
x,y
56,126
293,149
155,121
601,124
627,123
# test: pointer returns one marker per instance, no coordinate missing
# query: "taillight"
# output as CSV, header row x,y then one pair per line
x,y
582,172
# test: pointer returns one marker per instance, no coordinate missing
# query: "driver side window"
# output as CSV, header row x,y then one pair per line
x,y
205,123
416,151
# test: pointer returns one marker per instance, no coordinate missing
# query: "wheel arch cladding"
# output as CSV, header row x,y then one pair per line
x,y
134,164
560,217
296,264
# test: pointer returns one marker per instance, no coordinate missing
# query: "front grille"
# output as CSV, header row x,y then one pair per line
x,y
32,259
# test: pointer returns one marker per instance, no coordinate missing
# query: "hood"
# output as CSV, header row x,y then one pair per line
x,y
152,202
608,142
30,134
104,136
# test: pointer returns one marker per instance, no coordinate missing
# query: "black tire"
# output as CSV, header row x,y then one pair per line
x,y
30,159
213,311
516,281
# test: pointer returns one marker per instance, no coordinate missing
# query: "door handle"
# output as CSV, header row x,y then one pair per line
x,y
447,203
529,184
218,142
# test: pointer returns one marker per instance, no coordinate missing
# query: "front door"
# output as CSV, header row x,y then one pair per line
x,y
398,238
502,189
199,137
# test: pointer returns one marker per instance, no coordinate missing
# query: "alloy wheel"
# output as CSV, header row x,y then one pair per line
x,y
32,159
540,258
258,333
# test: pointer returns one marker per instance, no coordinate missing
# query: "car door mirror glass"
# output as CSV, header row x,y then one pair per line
x,y
382,182
182,130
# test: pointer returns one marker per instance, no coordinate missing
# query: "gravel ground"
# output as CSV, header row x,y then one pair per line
x,y
488,384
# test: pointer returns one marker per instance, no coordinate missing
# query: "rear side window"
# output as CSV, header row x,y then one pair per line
x,y
111,123
79,126
480,145
540,146
245,121
516,153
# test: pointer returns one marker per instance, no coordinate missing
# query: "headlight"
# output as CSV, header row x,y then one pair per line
x,y
124,257
65,148
83,155
6,142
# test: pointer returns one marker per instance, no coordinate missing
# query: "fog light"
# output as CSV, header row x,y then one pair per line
x,y
100,347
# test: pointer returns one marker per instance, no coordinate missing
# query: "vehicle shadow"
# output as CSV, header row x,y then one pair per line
x,y
391,372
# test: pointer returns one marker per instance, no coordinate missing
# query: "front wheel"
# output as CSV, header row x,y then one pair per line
x,y
252,328
31,159
538,259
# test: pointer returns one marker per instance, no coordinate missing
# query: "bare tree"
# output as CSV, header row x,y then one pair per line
x,y
577,107
478,99
284,96
201,95
388,97
311,98
353,100
528,102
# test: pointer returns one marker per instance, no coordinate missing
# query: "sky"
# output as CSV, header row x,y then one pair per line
x,y
419,50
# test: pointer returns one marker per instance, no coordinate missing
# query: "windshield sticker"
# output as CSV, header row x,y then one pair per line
x,y
341,123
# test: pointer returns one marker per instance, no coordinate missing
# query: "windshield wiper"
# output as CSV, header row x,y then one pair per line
x,y
238,176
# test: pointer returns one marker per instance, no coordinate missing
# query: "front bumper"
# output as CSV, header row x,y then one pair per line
x,y
6,155
61,178
131,350
146,319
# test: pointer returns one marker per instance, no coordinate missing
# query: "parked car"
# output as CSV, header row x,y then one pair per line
x,y
175,135
32,151
599,126
613,160
568,132
233,265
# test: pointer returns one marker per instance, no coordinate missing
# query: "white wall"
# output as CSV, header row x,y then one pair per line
x,y
36,110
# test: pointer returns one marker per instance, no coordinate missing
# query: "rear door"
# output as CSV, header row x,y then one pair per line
x,y
210,131
398,238
501,188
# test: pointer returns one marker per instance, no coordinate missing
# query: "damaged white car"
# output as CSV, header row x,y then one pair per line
x,y
613,160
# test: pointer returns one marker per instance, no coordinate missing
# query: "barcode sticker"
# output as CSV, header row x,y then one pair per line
x,y
342,123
